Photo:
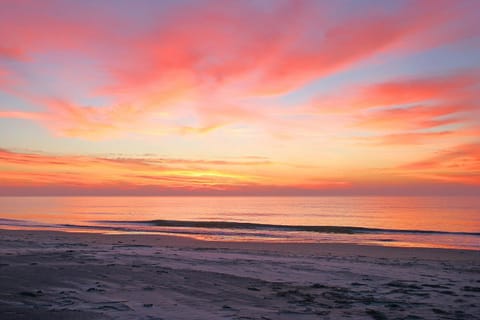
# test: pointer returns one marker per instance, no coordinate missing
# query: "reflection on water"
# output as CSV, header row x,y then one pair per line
x,y
452,214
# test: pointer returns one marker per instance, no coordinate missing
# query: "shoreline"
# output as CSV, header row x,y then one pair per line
x,y
64,275
213,238
188,241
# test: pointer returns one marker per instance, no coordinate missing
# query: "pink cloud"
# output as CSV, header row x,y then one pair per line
x,y
409,111
411,118
11,53
465,133
458,86
205,59
409,138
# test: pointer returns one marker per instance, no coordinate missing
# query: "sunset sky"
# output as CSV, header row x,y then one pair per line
x,y
239,97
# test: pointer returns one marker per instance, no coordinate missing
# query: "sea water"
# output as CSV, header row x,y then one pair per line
x,y
441,222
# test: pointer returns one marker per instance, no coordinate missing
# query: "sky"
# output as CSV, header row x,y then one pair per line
x,y
239,97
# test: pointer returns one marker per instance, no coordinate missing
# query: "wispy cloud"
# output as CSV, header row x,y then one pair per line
x,y
457,86
121,173
36,168
460,164
204,60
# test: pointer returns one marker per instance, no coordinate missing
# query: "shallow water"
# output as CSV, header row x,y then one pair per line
x,y
393,221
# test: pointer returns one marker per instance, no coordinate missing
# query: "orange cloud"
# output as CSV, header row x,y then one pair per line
x,y
464,157
25,170
457,164
39,169
56,174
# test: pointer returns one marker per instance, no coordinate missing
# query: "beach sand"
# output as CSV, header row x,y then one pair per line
x,y
55,275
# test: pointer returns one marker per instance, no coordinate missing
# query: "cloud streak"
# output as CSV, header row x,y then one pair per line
x,y
119,174
459,164
204,59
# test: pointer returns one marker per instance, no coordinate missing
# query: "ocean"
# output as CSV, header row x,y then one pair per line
x,y
438,222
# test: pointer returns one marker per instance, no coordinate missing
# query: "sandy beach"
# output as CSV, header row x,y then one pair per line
x,y
55,275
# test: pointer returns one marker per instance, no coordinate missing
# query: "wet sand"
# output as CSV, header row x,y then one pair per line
x,y
55,275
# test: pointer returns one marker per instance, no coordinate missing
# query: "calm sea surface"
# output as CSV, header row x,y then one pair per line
x,y
444,222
